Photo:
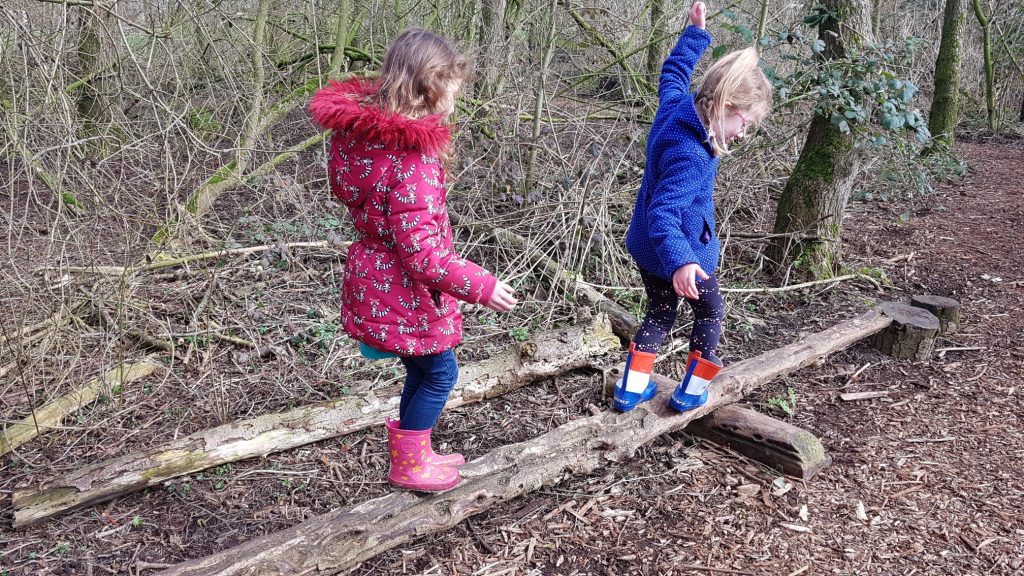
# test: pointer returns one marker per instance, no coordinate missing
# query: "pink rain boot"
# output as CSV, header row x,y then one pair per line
x,y
411,467
453,459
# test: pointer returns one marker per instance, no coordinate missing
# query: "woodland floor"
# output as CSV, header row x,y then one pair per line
x,y
925,480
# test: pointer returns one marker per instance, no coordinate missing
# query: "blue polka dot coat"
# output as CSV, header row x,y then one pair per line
x,y
674,218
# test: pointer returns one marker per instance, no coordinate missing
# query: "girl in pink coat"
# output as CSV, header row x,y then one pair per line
x,y
403,276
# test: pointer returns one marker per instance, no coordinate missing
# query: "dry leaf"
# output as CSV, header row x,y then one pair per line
x,y
780,486
861,514
748,490
795,527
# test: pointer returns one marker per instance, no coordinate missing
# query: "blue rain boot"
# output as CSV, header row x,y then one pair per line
x,y
635,386
692,392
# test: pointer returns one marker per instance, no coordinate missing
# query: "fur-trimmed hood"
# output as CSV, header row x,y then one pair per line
x,y
339,106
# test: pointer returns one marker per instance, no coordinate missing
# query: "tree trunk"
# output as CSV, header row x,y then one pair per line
x,y
656,48
815,196
776,445
341,34
252,121
93,108
986,43
911,334
813,201
943,115
547,354
947,310
538,108
400,14
337,541
876,18
491,45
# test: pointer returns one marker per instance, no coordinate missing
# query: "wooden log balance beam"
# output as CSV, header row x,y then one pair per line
x,y
545,355
341,539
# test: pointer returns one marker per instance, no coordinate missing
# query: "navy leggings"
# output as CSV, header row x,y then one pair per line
x,y
428,381
662,301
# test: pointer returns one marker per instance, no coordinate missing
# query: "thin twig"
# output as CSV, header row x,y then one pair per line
x,y
797,286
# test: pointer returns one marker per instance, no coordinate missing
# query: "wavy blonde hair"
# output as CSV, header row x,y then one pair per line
x,y
734,79
418,73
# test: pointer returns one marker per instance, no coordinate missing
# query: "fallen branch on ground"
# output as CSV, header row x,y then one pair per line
x,y
51,415
548,354
339,540
169,262
802,285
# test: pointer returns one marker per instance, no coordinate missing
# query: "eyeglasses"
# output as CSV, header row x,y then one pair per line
x,y
745,121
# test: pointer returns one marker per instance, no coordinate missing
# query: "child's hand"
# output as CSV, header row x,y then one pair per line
x,y
502,299
684,279
697,14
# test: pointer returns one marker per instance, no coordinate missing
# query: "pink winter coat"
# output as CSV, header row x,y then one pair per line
x,y
402,275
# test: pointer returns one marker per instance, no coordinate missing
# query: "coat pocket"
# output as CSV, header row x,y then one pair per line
x,y
705,235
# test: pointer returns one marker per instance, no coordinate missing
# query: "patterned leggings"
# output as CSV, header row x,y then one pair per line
x,y
662,301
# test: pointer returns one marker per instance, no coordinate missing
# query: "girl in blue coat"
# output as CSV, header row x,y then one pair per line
x,y
672,233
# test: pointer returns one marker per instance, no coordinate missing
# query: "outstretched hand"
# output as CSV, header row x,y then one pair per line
x,y
697,14
502,299
684,280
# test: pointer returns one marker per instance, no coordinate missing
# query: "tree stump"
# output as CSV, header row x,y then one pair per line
x,y
778,445
945,309
911,334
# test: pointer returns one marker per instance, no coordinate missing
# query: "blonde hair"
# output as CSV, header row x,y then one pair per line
x,y
734,79
419,70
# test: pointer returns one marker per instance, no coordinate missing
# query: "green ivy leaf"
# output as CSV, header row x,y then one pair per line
x,y
747,33
923,134
908,92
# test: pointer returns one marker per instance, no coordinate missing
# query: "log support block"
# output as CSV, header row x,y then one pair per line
x,y
945,309
777,445
911,334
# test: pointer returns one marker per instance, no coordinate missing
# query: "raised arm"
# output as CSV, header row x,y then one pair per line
x,y
678,68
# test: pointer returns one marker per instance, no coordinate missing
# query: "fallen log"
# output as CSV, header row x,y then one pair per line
x,y
51,415
339,540
547,354
778,445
